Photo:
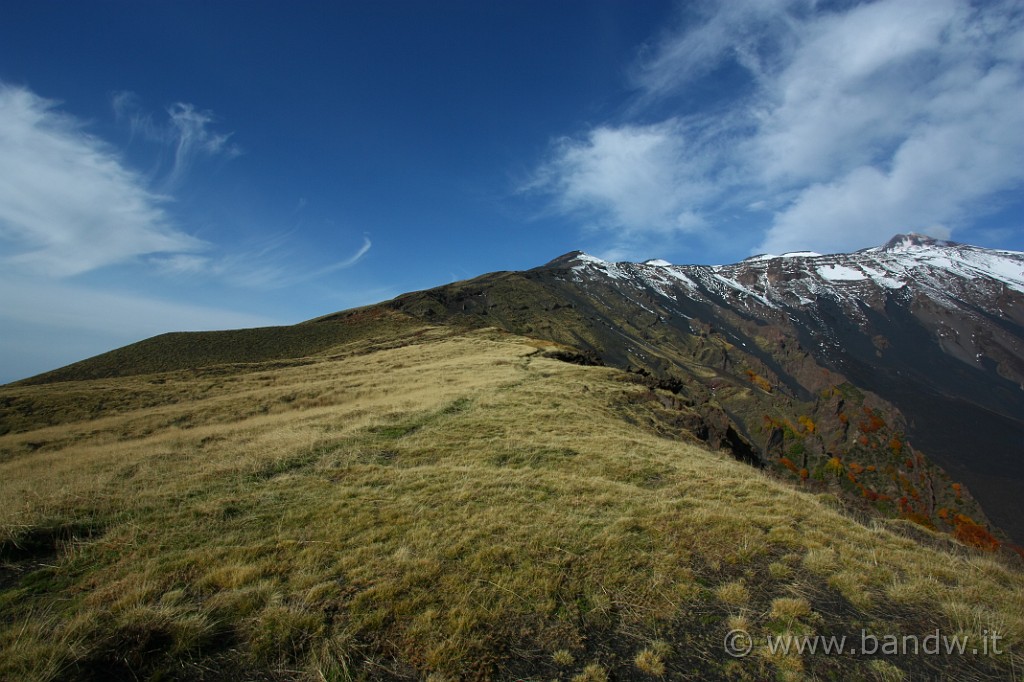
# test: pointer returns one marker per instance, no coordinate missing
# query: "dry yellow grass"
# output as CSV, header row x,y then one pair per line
x,y
457,505
649,662
789,609
733,593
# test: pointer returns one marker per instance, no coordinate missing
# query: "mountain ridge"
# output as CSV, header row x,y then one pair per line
x,y
928,333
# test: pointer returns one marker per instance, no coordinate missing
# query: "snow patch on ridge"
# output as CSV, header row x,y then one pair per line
x,y
790,254
881,279
676,274
587,258
840,273
610,269
998,266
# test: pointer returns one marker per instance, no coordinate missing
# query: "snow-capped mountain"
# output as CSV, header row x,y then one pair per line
x,y
970,296
948,271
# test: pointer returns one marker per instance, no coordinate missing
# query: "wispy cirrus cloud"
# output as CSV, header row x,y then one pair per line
x,y
187,131
835,125
260,268
194,138
67,203
346,262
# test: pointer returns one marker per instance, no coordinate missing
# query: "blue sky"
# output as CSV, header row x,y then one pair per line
x,y
185,165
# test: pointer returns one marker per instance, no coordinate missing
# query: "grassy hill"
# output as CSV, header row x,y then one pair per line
x,y
405,501
190,350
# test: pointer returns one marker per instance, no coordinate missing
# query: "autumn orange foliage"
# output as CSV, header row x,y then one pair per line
x,y
920,519
759,381
835,465
974,534
873,422
896,445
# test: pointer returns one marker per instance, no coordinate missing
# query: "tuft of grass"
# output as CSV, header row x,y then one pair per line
x,y
884,671
915,590
789,609
733,593
661,648
282,634
820,560
650,662
592,673
563,657
853,586
738,622
779,570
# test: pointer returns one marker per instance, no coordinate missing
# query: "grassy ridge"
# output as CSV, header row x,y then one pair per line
x,y
191,350
451,506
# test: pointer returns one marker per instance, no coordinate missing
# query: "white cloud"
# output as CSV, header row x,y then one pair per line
x,y
943,168
848,124
918,123
852,88
67,203
128,108
637,179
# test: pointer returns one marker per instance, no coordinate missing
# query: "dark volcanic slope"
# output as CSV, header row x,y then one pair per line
x,y
930,334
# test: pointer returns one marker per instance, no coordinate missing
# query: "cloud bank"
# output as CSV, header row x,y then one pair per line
x,y
839,127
